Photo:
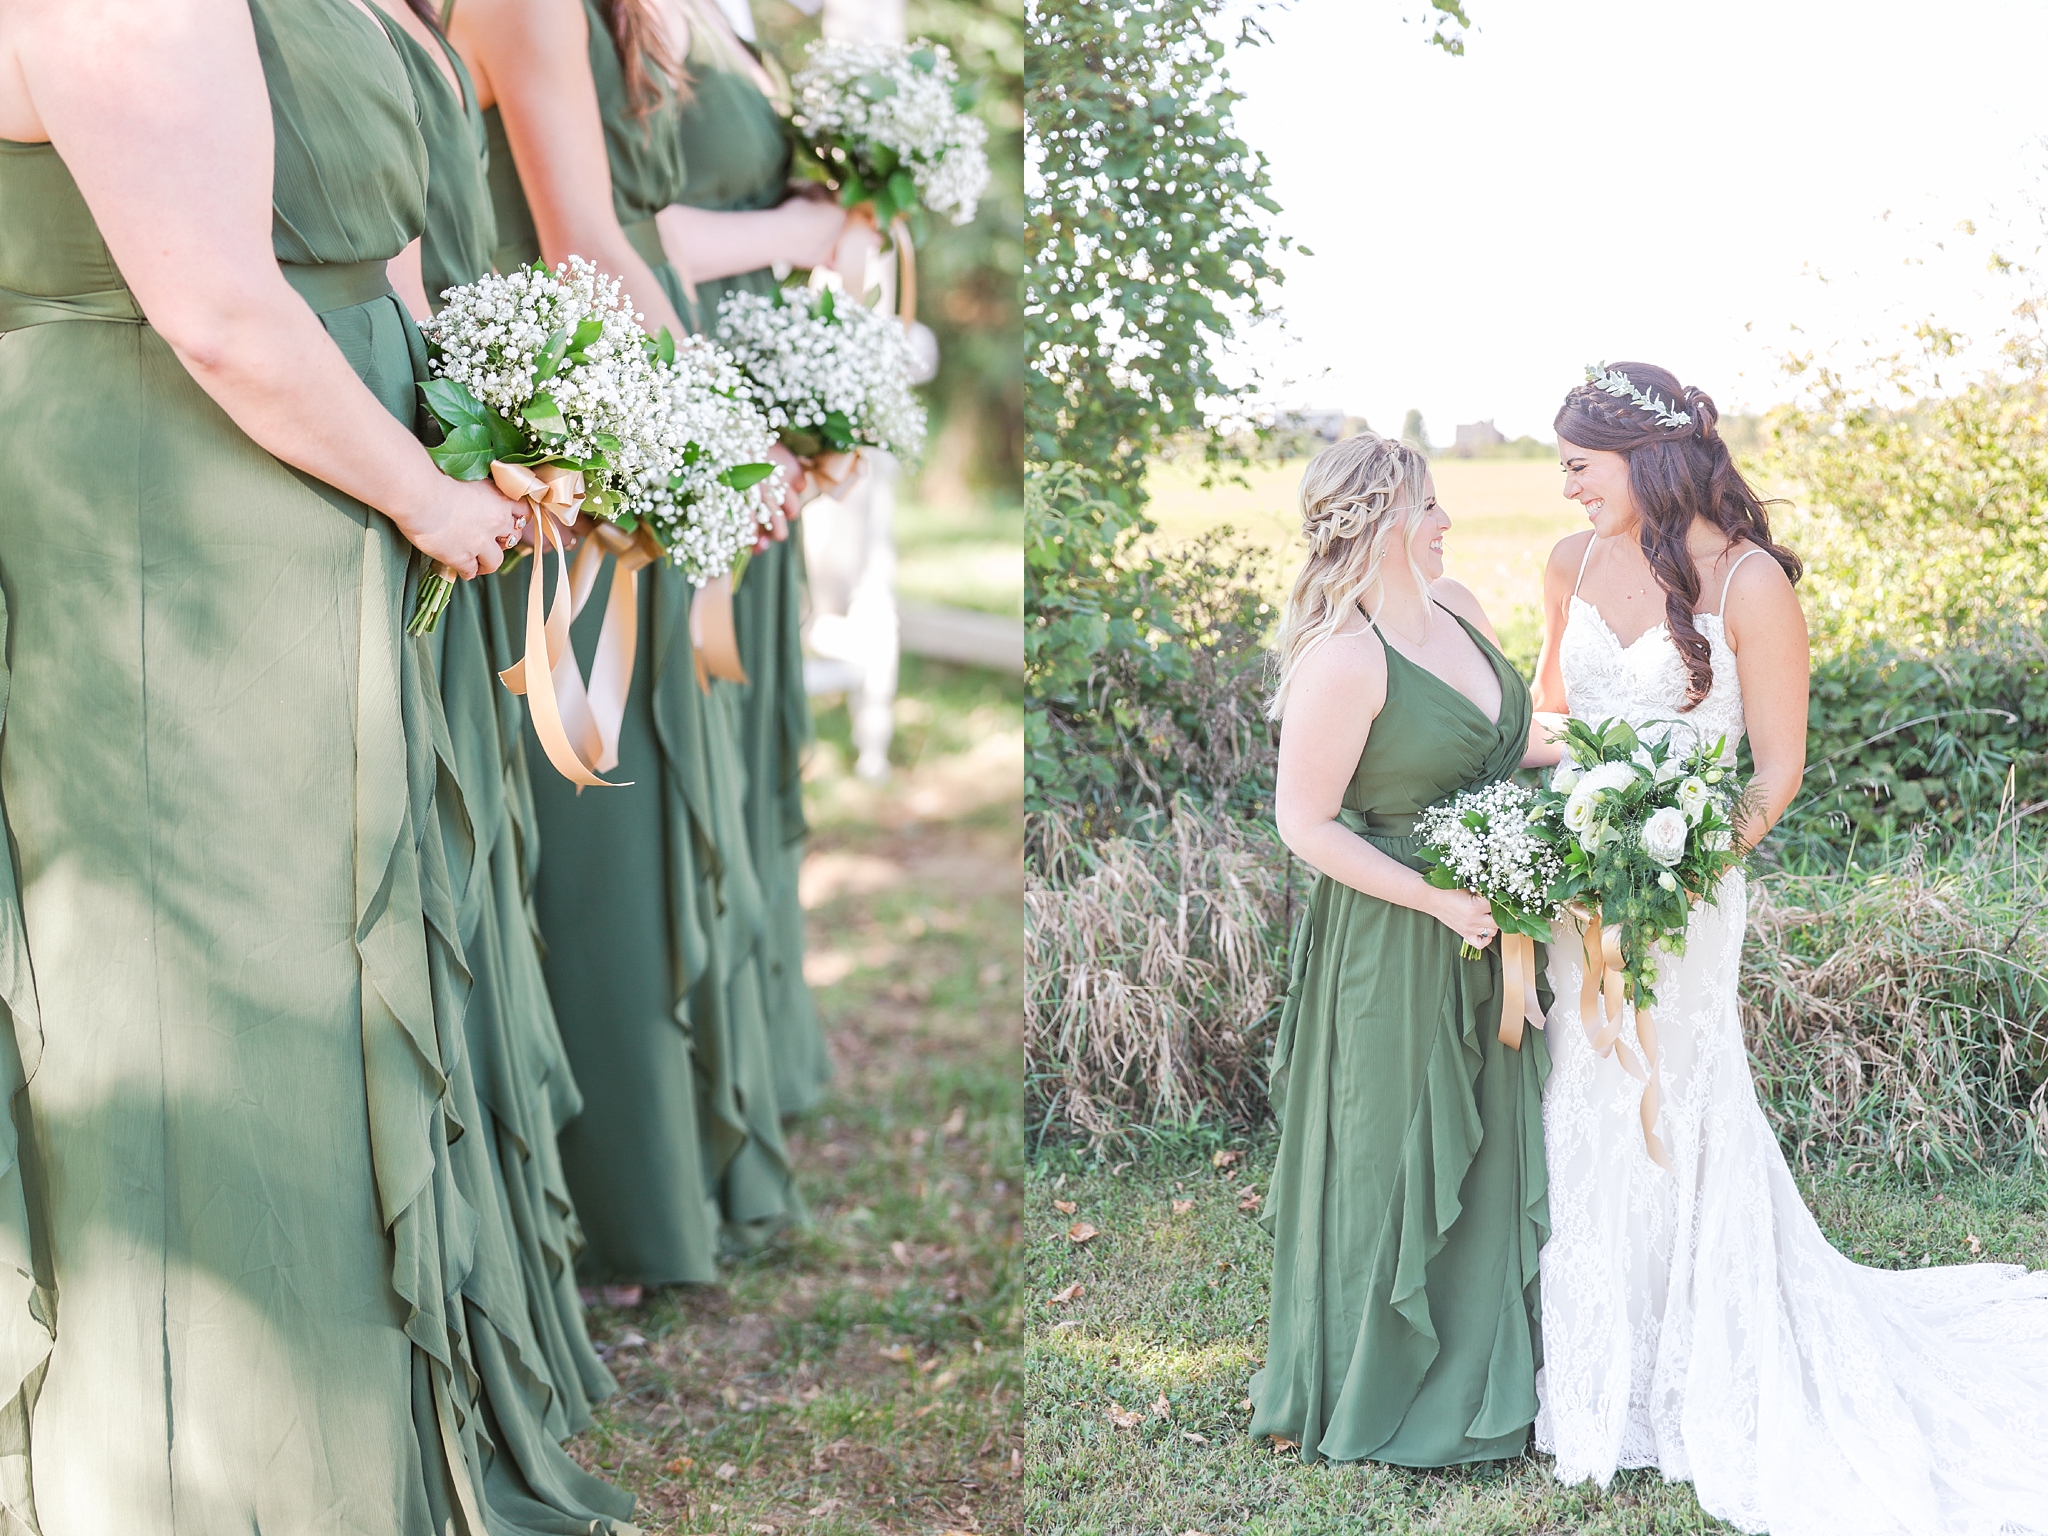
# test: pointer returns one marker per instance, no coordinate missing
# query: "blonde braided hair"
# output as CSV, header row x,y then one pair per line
x,y
1357,498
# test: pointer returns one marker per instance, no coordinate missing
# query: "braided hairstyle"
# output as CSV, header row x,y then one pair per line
x,y
1357,498
1676,474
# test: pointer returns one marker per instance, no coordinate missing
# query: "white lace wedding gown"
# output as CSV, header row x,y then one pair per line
x,y
1697,1321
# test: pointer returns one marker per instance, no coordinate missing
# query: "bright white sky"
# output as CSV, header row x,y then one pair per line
x,y
1604,179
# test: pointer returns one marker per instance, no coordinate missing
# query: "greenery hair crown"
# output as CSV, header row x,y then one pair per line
x,y
1618,384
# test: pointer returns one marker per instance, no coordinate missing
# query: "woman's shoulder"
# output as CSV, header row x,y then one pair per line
x,y
1351,664
1569,553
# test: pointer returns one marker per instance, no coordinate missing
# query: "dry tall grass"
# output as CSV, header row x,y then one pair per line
x,y
1902,1019
1155,966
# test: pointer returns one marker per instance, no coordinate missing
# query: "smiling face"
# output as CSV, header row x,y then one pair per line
x,y
1426,540
1597,480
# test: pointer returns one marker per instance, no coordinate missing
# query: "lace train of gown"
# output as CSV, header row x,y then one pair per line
x,y
1699,1322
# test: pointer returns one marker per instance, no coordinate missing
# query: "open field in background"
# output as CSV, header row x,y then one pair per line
x,y
1137,1380
1505,516
858,1377
969,556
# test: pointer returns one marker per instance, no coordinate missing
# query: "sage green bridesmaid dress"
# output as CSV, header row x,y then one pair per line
x,y
648,903
542,1376
1409,1200
738,159
236,1241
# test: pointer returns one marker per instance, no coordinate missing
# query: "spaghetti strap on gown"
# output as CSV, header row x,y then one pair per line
x,y
1408,1204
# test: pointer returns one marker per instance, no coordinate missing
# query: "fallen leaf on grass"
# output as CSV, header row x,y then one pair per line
x,y
944,1380
632,1338
1224,1159
1248,1202
1975,1246
1061,1298
1246,1406
1189,1434
955,1122
1081,1232
1182,1207
1282,1445
1065,1207
727,1472
900,1252
900,1353
827,1507
1161,1407
1063,1326
1124,1418
680,1465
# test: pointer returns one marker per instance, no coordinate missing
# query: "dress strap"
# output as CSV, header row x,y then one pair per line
x,y
1583,560
1752,550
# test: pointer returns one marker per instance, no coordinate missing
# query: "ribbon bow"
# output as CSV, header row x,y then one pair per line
x,y
577,723
1604,994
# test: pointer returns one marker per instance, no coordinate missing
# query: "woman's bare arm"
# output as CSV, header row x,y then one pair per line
x,y
1560,575
1773,659
160,112
528,57
706,244
1337,692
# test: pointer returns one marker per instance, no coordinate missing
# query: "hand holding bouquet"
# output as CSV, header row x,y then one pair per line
x,y
1484,841
888,124
831,376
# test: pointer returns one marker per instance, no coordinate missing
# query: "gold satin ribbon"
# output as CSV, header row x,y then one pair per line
x,y
1518,1000
1602,993
833,471
906,270
577,723
714,639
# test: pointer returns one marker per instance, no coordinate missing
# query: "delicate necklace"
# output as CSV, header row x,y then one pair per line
x,y
1426,616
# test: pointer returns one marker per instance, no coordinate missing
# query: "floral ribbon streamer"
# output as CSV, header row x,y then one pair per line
x,y
1603,995
1518,1000
714,639
577,723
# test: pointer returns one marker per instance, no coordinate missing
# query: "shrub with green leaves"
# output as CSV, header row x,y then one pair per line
x,y
1144,672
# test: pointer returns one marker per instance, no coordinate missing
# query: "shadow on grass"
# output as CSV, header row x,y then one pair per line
x,y
1139,1342
858,1374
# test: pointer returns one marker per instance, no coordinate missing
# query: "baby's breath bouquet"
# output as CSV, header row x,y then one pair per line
x,y
1644,829
831,375
1485,841
545,382
699,499
889,124
1481,840
543,371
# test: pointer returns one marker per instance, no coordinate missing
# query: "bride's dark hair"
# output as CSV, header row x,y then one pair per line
x,y
1676,474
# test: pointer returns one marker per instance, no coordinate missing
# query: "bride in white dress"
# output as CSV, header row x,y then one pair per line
x,y
1696,1320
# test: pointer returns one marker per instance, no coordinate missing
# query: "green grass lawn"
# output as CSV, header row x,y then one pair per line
x,y
1137,1383
859,1376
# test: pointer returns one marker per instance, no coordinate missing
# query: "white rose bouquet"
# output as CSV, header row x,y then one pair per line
x,y
1643,831
1486,841
831,376
888,123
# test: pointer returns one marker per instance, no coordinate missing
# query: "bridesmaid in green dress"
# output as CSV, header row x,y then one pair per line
x,y
735,222
647,896
232,1230
1408,1203
522,1288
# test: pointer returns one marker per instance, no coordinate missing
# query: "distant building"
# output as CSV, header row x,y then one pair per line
x,y
1475,435
1324,425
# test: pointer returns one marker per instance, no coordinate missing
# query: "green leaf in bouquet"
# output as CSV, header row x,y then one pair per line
x,y
965,95
828,306
665,347
587,331
453,405
606,442
743,477
549,363
885,160
876,86
839,431
467,453
544,416
885,205
924,60
852,191
902,188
